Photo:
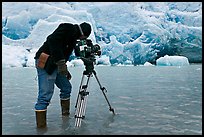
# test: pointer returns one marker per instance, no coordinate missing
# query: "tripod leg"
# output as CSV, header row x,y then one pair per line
x,y
80,87
81,112
81,103
102,89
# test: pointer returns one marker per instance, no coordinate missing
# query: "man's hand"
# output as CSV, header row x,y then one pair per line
x,y
62,69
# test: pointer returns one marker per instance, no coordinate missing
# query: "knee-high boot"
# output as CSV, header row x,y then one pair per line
x,y
41,118
65,106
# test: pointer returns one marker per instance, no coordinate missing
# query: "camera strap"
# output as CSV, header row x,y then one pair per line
x,y
81,30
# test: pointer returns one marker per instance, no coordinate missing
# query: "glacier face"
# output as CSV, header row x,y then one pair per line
x,y
128,32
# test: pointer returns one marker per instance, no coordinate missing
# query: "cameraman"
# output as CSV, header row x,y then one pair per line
x,y
51,67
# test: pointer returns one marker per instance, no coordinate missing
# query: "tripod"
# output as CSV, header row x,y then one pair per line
x,y
83,93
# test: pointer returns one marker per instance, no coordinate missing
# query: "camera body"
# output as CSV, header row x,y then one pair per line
x,y
85,49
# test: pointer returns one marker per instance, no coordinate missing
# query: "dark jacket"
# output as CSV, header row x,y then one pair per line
x,y
59,45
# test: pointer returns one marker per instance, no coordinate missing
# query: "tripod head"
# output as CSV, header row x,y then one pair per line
x,y
89,65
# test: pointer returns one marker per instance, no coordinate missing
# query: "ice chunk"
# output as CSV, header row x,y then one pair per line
x,y
172,61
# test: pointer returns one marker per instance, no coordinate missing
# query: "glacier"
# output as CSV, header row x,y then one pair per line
x,y
129,33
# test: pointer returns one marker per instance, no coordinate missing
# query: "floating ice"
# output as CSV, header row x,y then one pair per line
x,y
172,61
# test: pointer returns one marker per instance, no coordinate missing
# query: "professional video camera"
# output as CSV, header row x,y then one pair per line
x,y
86,51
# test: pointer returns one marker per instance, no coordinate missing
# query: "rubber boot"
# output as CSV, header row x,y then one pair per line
x,y
65,106
41,118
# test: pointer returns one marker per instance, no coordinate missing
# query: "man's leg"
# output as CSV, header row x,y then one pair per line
x,y
45,93
65,90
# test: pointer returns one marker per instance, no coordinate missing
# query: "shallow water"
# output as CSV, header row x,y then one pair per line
x,y
147,100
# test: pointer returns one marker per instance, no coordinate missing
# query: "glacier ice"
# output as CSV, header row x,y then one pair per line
x,y
128,32
172,61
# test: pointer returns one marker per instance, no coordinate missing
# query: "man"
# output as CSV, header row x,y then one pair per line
x,y
51,67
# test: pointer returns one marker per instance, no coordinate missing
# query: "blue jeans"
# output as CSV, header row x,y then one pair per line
x,y
46,87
